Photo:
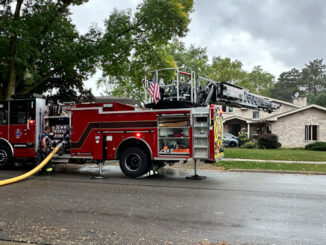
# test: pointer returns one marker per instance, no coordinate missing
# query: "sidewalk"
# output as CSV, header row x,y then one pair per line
x,y
274,161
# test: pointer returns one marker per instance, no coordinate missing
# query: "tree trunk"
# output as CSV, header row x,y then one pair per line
x,y
12,54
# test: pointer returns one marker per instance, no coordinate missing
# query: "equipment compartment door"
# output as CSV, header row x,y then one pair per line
x,y
173,135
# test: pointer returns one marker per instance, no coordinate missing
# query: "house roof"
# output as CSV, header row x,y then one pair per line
x,y
244,119
236,117
280,101
275,117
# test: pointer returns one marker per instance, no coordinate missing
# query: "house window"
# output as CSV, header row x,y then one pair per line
x,y
255,114
311,132
230,109
224,108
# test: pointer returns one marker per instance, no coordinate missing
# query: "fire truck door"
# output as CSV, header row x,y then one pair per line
x,y
22,127
4,120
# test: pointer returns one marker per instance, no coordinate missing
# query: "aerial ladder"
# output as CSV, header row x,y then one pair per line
x,y
189,90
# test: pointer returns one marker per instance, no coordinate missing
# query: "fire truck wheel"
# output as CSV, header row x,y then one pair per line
x,y
5,157
134,162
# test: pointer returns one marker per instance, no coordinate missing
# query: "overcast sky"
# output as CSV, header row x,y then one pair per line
x,y
275,34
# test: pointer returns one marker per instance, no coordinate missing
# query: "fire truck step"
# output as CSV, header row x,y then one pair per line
x,y
60,160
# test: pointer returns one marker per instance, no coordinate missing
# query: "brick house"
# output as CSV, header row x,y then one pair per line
x,y
296,124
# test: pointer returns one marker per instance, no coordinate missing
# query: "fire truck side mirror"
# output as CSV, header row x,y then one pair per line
x,y
27,124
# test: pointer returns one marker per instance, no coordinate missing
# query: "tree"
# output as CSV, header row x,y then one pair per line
x,y
135,42
318,99
287,85
313,77
226,70
258,81
40,49
310,81
189,59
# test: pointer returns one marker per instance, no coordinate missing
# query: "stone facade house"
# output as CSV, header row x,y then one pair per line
x,y
296,124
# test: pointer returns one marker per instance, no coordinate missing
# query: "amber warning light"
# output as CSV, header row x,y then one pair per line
x,y
31,121
138,134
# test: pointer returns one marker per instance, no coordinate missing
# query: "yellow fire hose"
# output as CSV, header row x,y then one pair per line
x,y
33,171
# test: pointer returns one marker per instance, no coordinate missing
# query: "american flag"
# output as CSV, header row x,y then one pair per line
x,y
154,89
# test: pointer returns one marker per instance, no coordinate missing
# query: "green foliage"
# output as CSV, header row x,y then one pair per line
x,y
275,154
272,166
268,141
287,85
135,42
226,70
243,137
40,49
258,81
310,81
313,77
189,59
317,146
252,144
318,99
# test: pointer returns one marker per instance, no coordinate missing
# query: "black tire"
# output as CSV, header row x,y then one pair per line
x,y
5,157
232,144
134,162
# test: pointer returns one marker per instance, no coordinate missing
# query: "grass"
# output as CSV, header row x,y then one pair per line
x,y
272,166
275,154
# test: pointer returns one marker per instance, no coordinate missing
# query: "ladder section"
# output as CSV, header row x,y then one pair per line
x,y
201,135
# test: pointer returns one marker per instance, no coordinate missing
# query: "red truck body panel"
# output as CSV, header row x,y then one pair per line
x,y
98,130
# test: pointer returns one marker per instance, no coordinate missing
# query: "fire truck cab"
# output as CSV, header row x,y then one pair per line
x,y
21,121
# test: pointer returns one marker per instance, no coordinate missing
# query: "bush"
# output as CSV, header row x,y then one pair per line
x,y
252,144
268,141
317,146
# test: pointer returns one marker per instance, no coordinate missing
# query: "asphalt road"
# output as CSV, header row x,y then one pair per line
x,y
230,208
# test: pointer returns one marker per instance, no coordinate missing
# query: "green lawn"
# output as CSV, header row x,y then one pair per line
x,y
280,154
272,166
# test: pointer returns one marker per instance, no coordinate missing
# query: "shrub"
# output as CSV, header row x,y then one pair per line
x,y
268,141
317,146
252,144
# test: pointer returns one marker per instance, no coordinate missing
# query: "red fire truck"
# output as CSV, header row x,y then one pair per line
x,y
186,124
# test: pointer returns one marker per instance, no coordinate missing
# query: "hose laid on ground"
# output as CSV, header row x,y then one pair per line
x,y
33,171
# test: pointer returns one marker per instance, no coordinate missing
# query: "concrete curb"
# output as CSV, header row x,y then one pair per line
x,y
273,161
276,171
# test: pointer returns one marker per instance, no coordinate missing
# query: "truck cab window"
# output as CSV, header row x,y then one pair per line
x,y
4,113
19,112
